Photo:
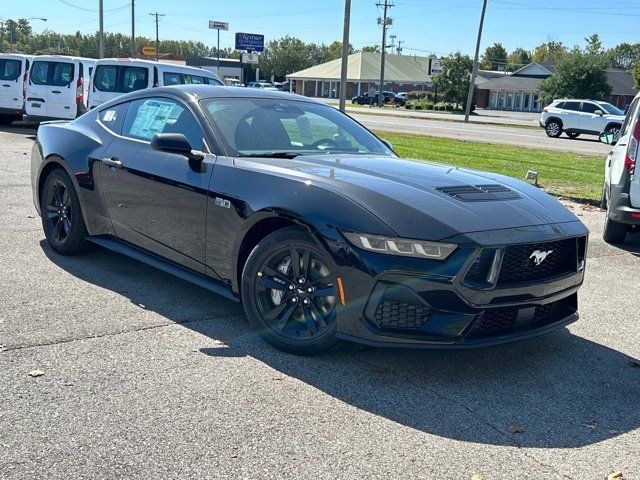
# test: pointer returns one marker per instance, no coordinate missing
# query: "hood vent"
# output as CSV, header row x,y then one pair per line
x,y
480,193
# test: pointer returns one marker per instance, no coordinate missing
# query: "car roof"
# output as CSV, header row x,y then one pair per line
x,y
200,92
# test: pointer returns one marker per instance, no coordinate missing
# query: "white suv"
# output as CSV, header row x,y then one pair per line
x,y
621,191
575,117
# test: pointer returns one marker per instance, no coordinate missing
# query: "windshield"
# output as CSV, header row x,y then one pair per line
x,y
610,109
263,126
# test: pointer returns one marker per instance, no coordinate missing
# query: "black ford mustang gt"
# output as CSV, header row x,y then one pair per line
x,y
309,219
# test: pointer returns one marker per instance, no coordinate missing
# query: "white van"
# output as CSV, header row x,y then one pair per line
x,y
57,88
116,76
13,76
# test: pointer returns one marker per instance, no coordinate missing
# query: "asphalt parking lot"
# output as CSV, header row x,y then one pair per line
x,y
146,376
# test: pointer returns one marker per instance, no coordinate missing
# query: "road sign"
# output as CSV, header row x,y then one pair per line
x,y
250,58
434,66
149,50
213,25
250,41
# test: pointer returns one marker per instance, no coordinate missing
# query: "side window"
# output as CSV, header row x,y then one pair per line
x,y
213,81
171,78
560,105
150,116
106,78
573,106
631,115
133,79
194,79
588,107
62,74
113,117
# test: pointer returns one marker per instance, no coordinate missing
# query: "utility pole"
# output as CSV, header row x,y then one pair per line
x,y
399,49
11,23
384,21
133,28
157,15
392,46
474,71
101,35
345,55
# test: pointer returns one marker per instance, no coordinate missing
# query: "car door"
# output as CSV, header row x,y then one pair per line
x,y
589,121
11,72
570,115
157,200
52,91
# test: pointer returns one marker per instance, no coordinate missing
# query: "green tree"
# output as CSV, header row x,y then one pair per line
x,y
549,52
636,75
518,59
453,82
371,48
594,44
494,58
624,55
578,75
283,56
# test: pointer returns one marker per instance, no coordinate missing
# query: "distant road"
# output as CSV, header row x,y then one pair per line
x,y
473,132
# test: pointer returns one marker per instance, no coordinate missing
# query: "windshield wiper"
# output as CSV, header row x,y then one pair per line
x,y
270,155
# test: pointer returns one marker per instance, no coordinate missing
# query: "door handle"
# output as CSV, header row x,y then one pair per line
x,y
112,162
5,85
56,91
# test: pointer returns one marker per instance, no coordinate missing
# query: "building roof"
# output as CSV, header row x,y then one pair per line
x,y
365,66
621,82
485,75
512,82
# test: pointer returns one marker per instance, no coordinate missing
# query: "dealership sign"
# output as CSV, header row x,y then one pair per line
x,y
250,41
250,58
213,25
434,66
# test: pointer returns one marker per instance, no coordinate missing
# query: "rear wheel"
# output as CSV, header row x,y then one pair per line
x,y
553,129
289,293
62,219
613,232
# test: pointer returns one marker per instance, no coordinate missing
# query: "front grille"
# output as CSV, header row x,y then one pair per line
x,y
480,193
399,315
519,261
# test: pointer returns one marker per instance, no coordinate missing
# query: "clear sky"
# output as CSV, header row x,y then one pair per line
x,y
433,26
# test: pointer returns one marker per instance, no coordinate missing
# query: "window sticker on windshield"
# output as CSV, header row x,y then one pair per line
x,y
152,117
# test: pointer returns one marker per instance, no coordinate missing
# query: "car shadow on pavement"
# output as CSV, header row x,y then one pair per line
x,y
556,391
20,129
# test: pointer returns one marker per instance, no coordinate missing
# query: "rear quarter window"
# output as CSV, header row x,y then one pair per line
x,y
113,117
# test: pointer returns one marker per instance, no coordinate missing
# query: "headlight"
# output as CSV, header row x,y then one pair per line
x,y
400,246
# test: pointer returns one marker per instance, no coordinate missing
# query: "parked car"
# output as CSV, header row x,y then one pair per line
x,y
342,240
13,78
401,99
233,82
262,86
278,85
115,76
57,88
371,98
621,190
576,117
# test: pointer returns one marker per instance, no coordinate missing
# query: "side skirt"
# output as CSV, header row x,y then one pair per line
x,y
168,267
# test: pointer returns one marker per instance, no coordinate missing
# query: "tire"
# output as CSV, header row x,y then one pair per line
x,y
614,232
553,129
293,310
573,135
62,219
613,130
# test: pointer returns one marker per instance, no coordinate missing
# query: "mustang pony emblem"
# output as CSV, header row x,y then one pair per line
x,y
539,256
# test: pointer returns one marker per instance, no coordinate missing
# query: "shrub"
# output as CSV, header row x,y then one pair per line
x,y
418,106
420,96
408,106
428,106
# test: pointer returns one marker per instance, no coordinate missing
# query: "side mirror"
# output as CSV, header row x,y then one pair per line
x,y
608,138
174,143
599,113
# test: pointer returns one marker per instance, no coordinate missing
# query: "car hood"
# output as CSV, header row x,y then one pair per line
x,y
406,194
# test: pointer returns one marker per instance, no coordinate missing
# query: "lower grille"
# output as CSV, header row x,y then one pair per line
x,y
399,315
538,261
496,321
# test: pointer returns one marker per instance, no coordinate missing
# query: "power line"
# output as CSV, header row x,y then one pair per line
x,y
117,9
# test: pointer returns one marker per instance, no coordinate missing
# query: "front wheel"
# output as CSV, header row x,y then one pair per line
x,y
614,130
553,129
289,293
62,219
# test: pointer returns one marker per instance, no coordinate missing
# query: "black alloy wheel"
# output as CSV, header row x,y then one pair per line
x,y
289,293
554,129
62,219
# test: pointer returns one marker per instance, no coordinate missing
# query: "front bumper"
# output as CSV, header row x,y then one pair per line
x,y
405,302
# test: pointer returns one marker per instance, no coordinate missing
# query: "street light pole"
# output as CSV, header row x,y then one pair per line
x,y
345,55
101,34
133,28
383,51
474,70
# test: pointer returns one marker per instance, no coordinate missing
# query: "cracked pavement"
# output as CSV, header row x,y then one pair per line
x,y
147,376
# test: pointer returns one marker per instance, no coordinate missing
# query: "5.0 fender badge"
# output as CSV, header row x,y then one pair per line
x,y
221,202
